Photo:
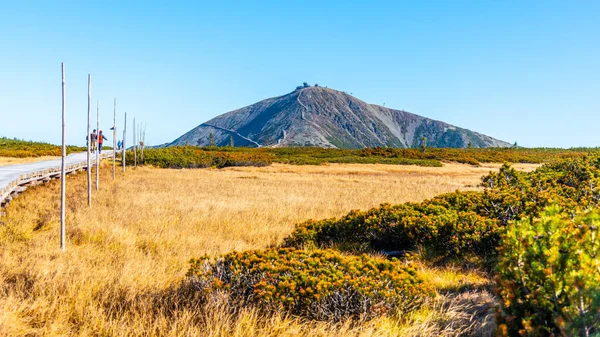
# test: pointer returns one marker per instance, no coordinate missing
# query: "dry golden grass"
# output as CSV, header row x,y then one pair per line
x,y
126,257
15,161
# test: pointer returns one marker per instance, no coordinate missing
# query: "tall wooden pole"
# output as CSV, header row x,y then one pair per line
x,y
89,142
139,140
63,179
123,152
143,143
134,146
98,145
114,154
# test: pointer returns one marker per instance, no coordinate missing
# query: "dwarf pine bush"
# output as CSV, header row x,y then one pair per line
x,y
319,284
195,157
549,275
22,149
460,224
446,232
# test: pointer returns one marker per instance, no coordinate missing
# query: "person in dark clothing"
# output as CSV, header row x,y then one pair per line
x,y
92,141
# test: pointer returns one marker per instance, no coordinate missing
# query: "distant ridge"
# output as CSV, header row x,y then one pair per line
x,y
317,116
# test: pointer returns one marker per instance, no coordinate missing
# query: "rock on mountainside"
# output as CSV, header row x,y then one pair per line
x,y
316,116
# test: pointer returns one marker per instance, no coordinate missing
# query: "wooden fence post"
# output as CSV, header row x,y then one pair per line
x,y
143,142
114,153
134,146
63,179
98,145
139,141
89,142
123,152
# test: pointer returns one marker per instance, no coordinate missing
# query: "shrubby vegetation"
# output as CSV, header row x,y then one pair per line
x,y
22,149
212,156
446,232
198,157
539,230
475,156
195,157
549,275
459,224
318,156
431,157
317,284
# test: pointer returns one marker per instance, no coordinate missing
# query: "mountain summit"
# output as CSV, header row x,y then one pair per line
x,y
317,116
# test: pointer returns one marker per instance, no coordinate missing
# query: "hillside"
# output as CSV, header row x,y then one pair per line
x,y
16,148
316,116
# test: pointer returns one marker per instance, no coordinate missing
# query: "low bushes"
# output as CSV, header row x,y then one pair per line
x,y
549,275
474,156
318,284
212,156
459,224
195,157
445,232
316,156
16,148
429,157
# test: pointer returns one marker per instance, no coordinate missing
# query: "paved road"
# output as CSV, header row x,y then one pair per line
x,y
13,176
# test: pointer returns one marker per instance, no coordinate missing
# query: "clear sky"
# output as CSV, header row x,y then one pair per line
x,y
525,71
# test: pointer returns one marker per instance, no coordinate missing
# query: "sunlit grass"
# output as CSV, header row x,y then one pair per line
x,y
127,256
15,161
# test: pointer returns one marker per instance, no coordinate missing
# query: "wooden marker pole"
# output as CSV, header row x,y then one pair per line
x,y
124,147
139,141
143,142
89,142
134,146
63,179
114,154
98,145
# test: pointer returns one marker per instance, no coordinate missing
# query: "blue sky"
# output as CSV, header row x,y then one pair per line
x,y
525,71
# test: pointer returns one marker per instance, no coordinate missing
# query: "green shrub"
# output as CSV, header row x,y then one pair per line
x,y
549,275
474,156
445,232
317,156
319,284
22,149
459,224
195,157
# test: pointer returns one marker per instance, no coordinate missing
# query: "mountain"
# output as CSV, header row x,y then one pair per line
x,y
317,116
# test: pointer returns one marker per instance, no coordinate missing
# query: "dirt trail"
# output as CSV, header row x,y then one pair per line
x,y
234,132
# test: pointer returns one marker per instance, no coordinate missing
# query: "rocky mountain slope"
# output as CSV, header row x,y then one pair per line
x,y
316,116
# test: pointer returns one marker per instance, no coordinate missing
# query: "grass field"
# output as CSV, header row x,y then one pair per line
x,y
4,161
124,267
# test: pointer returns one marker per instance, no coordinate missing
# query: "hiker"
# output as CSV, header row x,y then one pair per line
x,y
101,138
92,139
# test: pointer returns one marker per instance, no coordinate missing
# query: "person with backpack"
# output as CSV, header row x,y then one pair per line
x,y
101,138
91,139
